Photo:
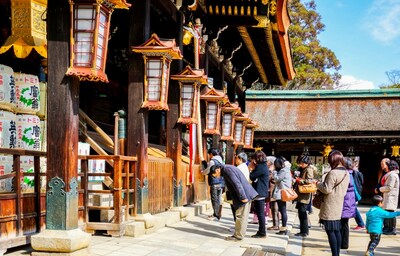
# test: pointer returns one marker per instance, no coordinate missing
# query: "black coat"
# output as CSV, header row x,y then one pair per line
x,y
260,178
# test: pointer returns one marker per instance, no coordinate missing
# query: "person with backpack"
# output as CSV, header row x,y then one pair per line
x,y
358,178
216,183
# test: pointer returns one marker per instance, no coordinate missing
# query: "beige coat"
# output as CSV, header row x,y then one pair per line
x,y
332,204
390,191
307,176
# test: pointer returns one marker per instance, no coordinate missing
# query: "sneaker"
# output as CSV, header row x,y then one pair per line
x,y
359,228
258,235
301,234
232,238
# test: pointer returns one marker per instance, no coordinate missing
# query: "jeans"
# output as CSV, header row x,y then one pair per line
x,y
282,210
373,243
259,207
335,241
303,217
359,219
216,192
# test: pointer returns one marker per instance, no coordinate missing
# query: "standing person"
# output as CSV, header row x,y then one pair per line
x,y
259,175
390,190
334,187
241,163
306,176
216,184
283,180
242,193
358,182
273,205
375,217
349,205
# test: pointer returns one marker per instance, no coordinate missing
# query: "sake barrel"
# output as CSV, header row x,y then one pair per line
x,y
43,101
27,166
27,93
28,132
6,164
8,129
7,88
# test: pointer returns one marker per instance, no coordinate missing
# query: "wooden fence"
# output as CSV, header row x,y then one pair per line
x,y
160,181
23,207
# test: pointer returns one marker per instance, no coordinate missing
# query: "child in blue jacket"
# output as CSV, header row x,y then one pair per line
x,y
375,217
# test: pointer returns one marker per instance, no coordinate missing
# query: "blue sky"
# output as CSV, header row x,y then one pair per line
x,y
365,37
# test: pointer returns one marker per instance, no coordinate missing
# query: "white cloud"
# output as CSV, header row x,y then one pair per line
x,y
382,20
351,83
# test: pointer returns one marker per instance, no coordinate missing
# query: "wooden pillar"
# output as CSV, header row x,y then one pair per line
x,y
62,118
62,233
174,129
137,125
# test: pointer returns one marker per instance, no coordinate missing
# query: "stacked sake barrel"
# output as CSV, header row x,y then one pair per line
x,y
20,124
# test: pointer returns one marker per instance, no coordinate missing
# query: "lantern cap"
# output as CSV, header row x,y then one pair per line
x,y
251,124
227,106
211,94
240,116
119,4
191,75
161,46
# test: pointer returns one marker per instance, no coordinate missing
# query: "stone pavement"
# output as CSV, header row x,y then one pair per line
x,y
195,236
199,236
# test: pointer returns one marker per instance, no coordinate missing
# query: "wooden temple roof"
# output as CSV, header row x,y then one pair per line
x,y
261,26
362,113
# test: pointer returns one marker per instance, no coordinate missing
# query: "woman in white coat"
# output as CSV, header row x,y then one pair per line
x,y
390,191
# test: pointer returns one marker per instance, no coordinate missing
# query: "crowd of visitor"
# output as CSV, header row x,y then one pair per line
x,y
263,185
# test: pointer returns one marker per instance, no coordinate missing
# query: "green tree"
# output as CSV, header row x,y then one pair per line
x,y
316,66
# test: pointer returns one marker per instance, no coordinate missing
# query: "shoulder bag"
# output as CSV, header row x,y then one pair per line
x,y
319,196
307,188
288,194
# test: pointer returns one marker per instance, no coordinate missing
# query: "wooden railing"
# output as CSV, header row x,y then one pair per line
x,y
121,182
22,214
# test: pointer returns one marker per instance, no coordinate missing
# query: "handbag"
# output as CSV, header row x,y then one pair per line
x,y
307,188
317,200
319,196
288,194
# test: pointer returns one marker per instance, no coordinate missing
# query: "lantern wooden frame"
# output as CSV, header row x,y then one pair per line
x,y
249,130
240,119
228,111
157,56
189,82
212,98
90,27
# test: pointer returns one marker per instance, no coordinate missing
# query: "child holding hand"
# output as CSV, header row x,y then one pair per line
x,y
374,223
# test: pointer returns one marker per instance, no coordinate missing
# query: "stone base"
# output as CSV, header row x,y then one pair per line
x,y
81,252
60,241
